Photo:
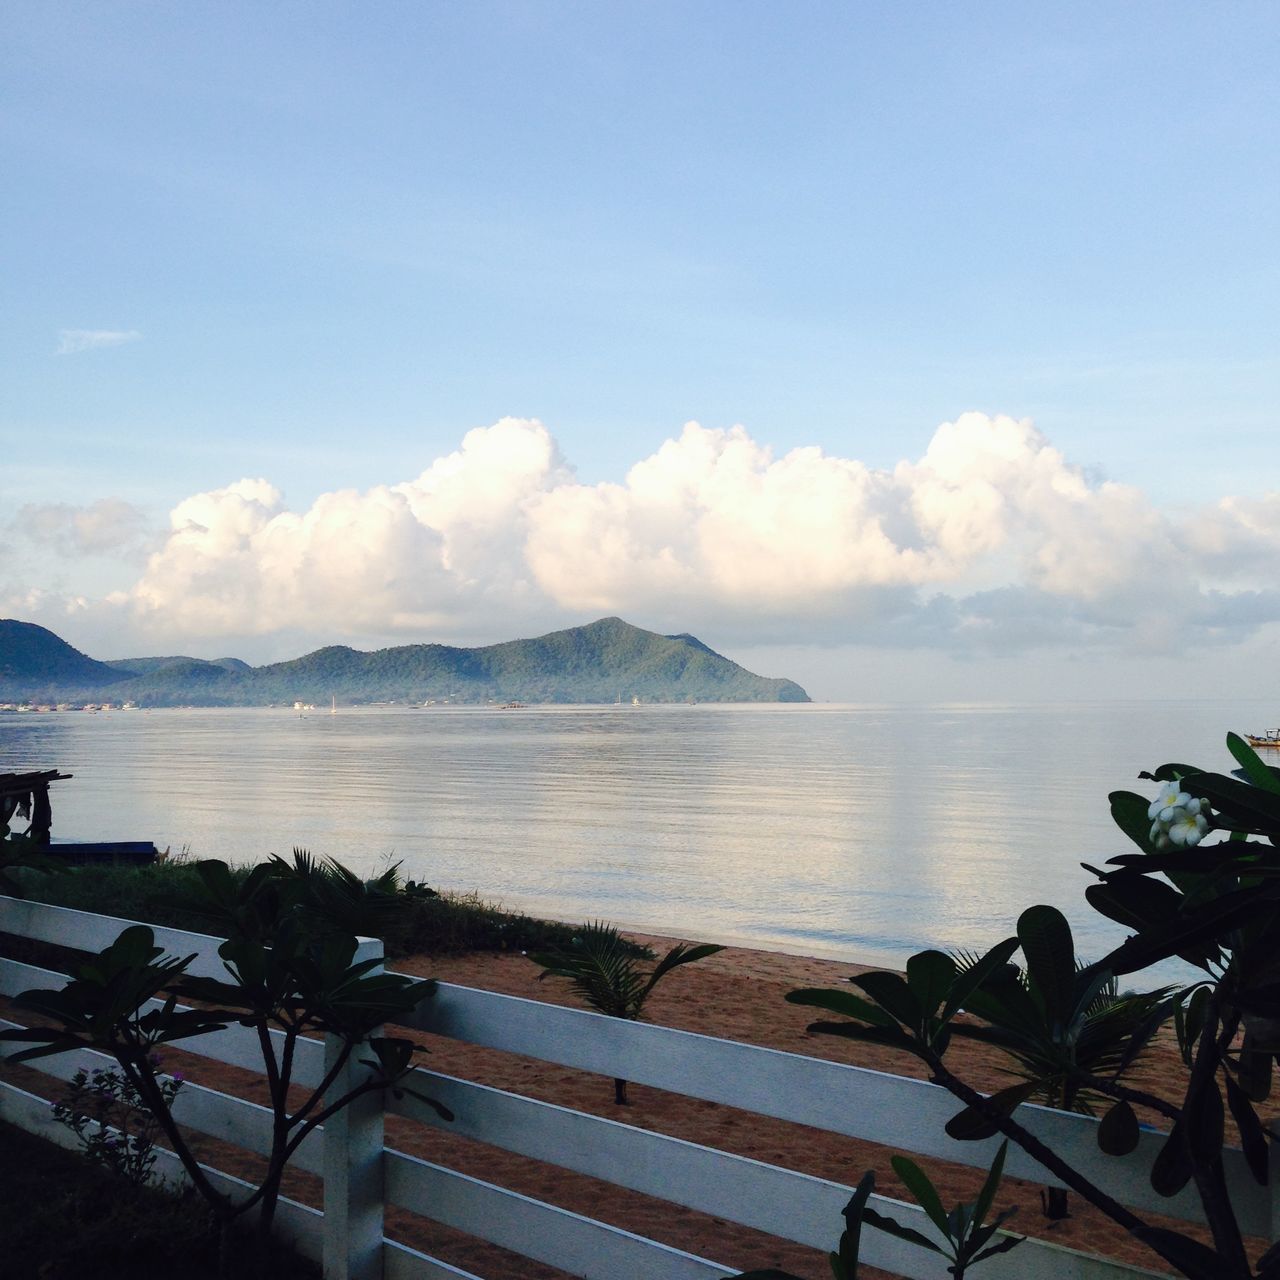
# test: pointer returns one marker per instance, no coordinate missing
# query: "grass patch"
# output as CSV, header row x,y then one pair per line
x,y
62,1218
163,893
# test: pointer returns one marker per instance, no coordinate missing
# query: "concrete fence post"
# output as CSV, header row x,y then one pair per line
x,y
353,1178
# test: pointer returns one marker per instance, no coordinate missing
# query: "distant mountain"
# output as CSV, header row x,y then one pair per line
x,y
33,658
606,661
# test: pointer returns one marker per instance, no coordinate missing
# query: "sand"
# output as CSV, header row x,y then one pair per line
x,y
736,994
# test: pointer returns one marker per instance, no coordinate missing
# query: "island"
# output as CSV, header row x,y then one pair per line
x,y
607,661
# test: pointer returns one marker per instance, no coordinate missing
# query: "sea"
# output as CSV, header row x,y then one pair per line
x,y
860,832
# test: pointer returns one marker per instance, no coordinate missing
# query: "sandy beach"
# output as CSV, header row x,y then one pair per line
x,y
736,994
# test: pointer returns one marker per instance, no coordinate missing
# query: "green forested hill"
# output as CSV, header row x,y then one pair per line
x,y
32,657
602,662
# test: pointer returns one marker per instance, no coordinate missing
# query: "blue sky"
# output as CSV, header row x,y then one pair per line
x,y
317,244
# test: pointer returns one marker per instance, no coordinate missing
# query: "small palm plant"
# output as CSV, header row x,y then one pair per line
x,y
1064,1025
603,969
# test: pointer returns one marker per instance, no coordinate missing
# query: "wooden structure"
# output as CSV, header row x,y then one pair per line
x,y
27,795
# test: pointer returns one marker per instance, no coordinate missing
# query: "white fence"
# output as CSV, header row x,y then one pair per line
x,y
361,1174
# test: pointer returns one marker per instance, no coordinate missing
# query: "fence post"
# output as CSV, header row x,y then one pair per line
x,y
353,1189
1273,1177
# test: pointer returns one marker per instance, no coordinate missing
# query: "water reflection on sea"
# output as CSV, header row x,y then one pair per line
x,y
865,831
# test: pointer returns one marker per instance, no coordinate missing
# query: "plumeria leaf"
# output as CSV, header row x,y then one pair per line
x,y
917,1182
986,1197
1253,1137
1259,773
1130,814
1170,773
1009,1242
1182,935
930,975
844,1002
1119,1132
1205,1119
891,993
972,1125
1254,1069
894,1228
1171,1169
1238,799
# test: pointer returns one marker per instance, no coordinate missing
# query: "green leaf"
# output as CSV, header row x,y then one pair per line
x,y
1118,1133
1235,799
930,975
1205,1119
917,1182
1260,774
844,1262
1129,811
1045,938
1207,924
844,1002
891,993
1254,1069
682,954
894,1228
1253,1137
986,1197
1009,1242
972,1125
1171,1169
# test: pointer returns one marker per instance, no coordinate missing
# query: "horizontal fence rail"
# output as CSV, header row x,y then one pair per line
x,y
899,1113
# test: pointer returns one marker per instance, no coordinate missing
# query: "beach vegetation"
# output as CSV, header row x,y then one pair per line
x,y
289,975
420,920
1062,1025
1213,904
65,1218
966,1234
603,969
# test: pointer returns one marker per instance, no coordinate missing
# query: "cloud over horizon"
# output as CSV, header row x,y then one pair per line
x,y
990,541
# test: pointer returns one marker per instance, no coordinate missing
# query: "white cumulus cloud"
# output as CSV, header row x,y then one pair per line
x,y
990,539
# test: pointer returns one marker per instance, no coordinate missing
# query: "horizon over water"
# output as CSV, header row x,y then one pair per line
x,y
865,832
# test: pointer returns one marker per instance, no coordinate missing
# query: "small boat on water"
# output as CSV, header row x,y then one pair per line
x,y
1271,738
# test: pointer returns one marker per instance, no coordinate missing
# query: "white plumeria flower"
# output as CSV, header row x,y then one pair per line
x,y
1188,827
1171,798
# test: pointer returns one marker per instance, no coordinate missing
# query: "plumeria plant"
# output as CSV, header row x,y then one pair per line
x,y
1212,903
965,1235
1178,818
290,973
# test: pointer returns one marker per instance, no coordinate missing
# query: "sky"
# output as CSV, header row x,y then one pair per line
x,y
917,352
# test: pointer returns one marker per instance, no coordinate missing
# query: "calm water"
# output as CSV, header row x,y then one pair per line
x,y
863,831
